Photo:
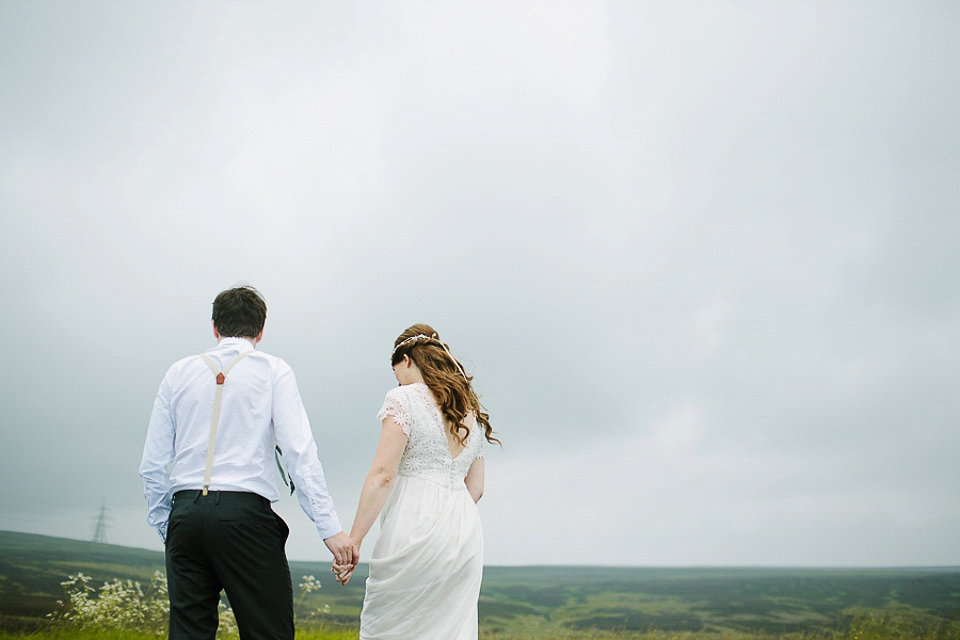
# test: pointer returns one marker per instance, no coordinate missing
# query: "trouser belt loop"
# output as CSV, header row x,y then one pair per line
x,y
197,497
217,501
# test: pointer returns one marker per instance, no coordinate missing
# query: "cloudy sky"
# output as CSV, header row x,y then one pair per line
x,y
701,257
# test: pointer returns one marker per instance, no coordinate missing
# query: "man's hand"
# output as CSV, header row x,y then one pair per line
x,y
345,551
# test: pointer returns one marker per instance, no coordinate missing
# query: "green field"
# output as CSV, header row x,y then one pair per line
x,y
555,602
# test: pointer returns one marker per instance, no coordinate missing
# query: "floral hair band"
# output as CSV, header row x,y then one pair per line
x,y
412,339
421,336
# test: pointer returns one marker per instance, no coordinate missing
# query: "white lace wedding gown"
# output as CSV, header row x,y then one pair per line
x,y
427,565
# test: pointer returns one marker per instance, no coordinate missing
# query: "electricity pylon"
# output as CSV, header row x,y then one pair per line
x,y
100,531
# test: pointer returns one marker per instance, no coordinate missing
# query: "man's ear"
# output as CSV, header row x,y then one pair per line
x,y
259,337
216,334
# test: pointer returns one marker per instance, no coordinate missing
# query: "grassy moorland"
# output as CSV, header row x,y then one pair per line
x,y
714,600
516,602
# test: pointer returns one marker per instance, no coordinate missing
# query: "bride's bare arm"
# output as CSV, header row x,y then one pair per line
x,y
376,489
380,480
474,480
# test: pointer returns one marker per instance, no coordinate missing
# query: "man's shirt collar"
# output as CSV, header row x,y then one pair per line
x,y
244,344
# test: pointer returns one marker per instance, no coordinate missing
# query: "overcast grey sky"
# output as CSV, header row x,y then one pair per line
x,y
701,257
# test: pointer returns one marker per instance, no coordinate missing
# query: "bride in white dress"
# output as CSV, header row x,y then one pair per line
x,y
426,477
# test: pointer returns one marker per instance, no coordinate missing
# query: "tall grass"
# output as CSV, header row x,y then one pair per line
x,y
93,634
861,626
129,610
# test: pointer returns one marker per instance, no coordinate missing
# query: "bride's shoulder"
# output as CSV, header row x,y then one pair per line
x,y
396,406
396,398
399,393
394,392
414,389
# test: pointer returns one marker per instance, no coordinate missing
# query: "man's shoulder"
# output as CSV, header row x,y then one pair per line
x,y
183,363
279,368
186,360
275,361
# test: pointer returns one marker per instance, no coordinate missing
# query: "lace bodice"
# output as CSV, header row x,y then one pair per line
x,y
413,407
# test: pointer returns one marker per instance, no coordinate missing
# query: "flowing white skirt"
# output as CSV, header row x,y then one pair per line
x,y
426,567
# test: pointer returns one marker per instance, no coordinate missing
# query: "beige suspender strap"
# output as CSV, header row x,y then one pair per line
x,y
221,376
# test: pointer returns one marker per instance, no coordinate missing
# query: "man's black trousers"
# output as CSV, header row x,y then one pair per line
x,y
232,541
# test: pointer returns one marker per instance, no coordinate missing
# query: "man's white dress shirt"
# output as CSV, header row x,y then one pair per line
x,y
261,407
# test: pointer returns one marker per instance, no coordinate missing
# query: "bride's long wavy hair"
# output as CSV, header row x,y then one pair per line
x,y
445,377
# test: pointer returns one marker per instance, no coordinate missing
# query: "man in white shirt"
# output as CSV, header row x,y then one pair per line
x,y
208,476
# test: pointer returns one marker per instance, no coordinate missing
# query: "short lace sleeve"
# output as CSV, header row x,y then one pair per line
x,y
474,427
393,406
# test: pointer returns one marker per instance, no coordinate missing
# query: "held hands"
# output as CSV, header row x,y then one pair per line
x,y
345,551
346,555
343,572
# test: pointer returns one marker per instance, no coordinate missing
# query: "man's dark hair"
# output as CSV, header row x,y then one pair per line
x,y
239,313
